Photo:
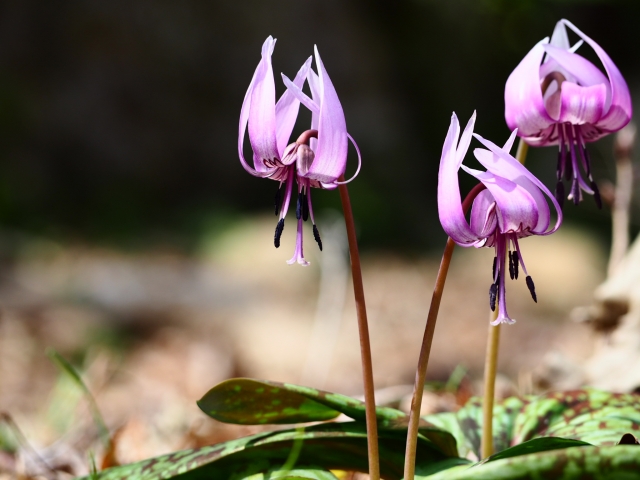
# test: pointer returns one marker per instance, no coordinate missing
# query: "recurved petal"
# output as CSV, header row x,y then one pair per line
x,y
619,113
501,163
331,150
262,110
517,210
524,105
486,157
580,105
585,72
450,210
287,109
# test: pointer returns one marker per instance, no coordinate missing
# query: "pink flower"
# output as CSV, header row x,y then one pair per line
x,y
512,207
316,159
557,97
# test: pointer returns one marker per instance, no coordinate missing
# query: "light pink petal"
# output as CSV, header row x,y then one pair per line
x,y
331,151
302,97
262,111
620,111
450,211
559,38
516,210
585,72
314,85
287,109
524,106
483,219
508,167
579,105
486,157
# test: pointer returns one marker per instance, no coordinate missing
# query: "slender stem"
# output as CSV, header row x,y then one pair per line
x,y
490,367
363,328
491,359
425,350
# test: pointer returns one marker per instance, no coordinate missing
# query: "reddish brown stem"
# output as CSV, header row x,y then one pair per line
x,y
425,350
363,328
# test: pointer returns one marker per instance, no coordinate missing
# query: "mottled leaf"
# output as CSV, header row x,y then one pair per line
x,y
589,415
333,446
541,444
590,462
249,402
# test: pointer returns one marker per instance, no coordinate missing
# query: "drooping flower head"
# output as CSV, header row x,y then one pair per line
x,y
557,97
512,207
318,157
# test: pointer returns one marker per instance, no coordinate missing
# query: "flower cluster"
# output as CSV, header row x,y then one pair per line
x,y
553,97
316,159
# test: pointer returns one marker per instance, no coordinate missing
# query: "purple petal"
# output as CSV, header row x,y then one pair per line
x,y
450,211
262,111
508,167
559,38
314,85
302,97
517,210
579,105
585,72
524,106
287,109
486,157
620,111
331,152
261,170
483,220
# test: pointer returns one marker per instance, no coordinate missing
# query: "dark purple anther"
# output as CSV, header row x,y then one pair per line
x,y
278,234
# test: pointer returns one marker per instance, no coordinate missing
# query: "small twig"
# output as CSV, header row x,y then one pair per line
x,y
622,151
363,328
425,349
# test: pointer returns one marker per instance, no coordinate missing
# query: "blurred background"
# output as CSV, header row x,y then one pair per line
x,y
132,241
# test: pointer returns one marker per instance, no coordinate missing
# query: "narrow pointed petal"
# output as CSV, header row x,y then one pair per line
x,y
331,152
524,105
248,115
287,109
300,95
620,111
262,110
314,85
450,210
580,105
559,38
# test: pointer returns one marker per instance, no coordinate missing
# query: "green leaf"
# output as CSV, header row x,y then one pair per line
x,y
246,401
589,415
590,462
341,446
536,445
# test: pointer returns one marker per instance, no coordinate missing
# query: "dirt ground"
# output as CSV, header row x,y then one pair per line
x,y
152,332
